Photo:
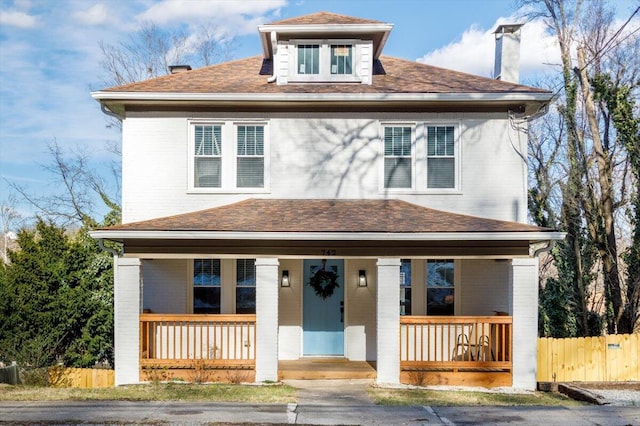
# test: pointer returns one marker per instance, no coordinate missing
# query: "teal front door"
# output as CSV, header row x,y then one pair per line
x,y
323,307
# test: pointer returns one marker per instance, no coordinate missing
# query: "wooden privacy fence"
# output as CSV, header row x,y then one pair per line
x,y
585,359
81,377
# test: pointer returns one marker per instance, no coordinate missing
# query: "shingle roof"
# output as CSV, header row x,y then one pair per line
x,y
325,216
324,18
392,75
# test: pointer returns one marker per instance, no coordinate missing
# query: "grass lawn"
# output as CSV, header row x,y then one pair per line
x,y
154,392
443,398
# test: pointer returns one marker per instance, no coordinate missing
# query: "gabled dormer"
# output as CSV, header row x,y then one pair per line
x,y
323,48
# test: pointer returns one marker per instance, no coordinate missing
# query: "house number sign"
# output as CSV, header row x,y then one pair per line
x,y
328,252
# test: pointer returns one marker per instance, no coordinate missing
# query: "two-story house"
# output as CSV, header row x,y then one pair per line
x,y
325,206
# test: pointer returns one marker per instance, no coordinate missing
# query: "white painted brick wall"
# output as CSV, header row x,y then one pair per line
x,y
484,286
493,176
267,319
524,308
127,320
165,284
388,320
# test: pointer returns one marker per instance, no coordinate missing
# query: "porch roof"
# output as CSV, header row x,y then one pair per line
x,y
313,219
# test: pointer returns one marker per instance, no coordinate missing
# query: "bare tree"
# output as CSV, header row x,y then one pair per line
x,y
74,201
9,218
595,156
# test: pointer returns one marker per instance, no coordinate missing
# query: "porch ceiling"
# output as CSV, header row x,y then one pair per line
x,y
311,227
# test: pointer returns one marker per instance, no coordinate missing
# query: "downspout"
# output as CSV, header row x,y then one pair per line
x,y
274,49
113,251
110,113
544,249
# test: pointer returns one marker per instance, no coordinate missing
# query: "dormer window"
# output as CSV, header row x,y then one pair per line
x,y
341,59
308,59
325,61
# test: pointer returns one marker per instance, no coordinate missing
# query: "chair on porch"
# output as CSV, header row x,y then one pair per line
x,y
480,350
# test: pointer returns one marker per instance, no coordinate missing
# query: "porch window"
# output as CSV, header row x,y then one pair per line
x,y
250,156
441,160
405,287
440,287
246,286
397,157
206,286
208,156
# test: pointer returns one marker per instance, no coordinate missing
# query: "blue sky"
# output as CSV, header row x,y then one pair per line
x,y
49,58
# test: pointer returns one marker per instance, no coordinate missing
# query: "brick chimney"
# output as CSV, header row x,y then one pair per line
x,y
507,57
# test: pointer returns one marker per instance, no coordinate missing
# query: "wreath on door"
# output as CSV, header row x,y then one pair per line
x,y
324,281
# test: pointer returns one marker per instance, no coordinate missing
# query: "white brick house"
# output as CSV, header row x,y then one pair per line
x,y
326,203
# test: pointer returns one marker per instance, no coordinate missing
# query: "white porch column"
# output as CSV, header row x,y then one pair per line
x,y
388,321
523,302
126,300
266,319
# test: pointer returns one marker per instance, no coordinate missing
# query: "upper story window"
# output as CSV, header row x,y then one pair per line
x,y
441,158
341,59
207,156
324,60
228,157
250,156
398,160
308,59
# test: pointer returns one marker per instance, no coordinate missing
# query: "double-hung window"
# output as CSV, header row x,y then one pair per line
x,y
207,156
398,157
206,286
250,156
440,287
228,156
441,160
245,286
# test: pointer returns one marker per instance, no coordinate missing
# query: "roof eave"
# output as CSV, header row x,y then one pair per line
x,y
532,236
331,97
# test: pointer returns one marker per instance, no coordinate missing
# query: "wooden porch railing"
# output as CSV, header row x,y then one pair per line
x,y
458,343
190,341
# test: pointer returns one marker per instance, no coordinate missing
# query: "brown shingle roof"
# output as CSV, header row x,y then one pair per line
x,y
393,75
324,18
325,216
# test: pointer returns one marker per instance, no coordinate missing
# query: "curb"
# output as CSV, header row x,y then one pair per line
x,y
580,394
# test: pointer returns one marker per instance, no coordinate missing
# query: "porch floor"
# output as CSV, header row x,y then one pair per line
x,y
313,368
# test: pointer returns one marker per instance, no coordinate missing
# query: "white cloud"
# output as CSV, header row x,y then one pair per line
x,y
95,15
474,51
17,19
236,17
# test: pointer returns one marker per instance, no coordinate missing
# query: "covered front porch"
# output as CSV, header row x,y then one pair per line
x,y
426,297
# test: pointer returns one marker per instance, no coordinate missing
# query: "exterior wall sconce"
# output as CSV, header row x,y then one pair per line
x,y
362,278
285,279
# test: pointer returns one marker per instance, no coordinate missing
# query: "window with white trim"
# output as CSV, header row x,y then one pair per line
x,y
206,286
440,287
441,159
398,160
250,156
207,156
324,60
341,59
228,156
308,59
245,286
